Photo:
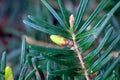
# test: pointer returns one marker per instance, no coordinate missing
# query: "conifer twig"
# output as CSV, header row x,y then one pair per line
x,y
32,41
71,21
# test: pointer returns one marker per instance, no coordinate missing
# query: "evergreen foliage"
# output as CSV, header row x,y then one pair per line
x,y
44,63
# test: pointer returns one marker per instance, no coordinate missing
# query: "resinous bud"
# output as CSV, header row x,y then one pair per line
x,y
8,73
61,40
58,39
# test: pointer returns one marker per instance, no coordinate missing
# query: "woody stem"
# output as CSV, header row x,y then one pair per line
x,y
80,57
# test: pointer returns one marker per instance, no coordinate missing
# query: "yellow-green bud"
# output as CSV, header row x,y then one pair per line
x,y
8,73
58,39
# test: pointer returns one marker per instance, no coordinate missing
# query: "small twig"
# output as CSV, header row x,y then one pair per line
x,y
71,21
80,57
32,41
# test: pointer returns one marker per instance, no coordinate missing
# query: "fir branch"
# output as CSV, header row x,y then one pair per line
x,y
80,57
32,41
71,21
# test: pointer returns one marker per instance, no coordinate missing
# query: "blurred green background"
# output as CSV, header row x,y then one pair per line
x,y
12,12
